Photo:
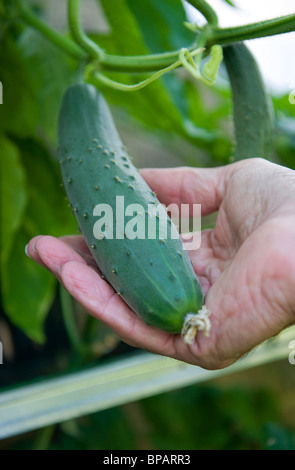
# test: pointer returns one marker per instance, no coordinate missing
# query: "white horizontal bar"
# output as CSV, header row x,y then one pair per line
x,y
139,375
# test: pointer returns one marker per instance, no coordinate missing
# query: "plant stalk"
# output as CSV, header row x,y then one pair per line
x,y
77,31
281,25
206,10
63,42
153,62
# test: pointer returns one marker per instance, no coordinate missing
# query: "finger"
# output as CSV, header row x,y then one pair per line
x,y
101,301
52,253
205,186
78,243
31,251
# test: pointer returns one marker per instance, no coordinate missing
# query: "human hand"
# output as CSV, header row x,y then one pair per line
x,y
246,264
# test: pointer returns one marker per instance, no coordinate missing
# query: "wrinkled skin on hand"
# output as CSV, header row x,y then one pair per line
x,y
246,264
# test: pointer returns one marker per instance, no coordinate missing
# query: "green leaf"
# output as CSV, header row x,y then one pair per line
x,y
169,33
166,104
151,105
51,72
13,194
27,290
18,113
167,19
48,211
154,106
125,32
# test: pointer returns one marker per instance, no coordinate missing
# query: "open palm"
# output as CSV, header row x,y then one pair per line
x,y
246,264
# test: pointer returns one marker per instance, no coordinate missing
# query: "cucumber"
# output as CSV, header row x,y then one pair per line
x,y
153,276
252,105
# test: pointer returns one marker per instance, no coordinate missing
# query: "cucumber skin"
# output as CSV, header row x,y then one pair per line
x,y
155,279
252,106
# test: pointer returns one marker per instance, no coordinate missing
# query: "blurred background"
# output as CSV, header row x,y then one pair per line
x,y
175,121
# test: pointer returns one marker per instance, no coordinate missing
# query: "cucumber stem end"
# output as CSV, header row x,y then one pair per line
x,y
194,322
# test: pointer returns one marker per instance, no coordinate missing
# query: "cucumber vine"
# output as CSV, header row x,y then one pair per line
x,y
96,76
77,32
209,40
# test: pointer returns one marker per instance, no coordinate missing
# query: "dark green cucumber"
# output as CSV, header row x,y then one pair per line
x,y
154,276
252,106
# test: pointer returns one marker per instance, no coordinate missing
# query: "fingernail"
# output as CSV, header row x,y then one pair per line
x,y
58,276
35,248
26,250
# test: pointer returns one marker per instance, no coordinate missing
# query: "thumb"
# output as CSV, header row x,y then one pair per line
x,y
185,185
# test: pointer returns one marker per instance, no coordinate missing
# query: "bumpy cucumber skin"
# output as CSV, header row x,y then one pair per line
x,y
252,106
154,277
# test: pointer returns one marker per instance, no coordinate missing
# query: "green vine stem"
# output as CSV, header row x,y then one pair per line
x,y
139,64
186,58
155,62
77,32
116,63
206,10
212,36
210,70
97,77
63,42
281,25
